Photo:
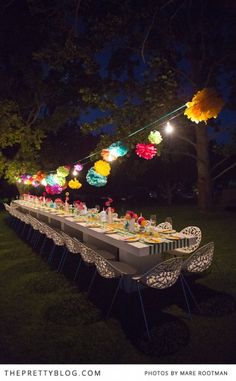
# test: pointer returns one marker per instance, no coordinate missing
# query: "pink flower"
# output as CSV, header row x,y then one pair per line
x,y
108,202
130,214
58,201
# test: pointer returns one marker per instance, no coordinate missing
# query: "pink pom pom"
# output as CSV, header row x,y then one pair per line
x,y
146,151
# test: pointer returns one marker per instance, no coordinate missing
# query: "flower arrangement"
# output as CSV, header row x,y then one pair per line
x,y
130,215
206,104
58,201
146,151
111,209
142,221
79,205
109,201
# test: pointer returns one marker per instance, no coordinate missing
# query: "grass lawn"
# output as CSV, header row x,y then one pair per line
x,y
46,319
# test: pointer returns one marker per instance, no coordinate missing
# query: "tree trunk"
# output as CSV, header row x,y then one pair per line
x,y
203,168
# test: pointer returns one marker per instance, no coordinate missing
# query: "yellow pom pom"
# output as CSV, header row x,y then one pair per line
x,y
102,167
206,104
74,184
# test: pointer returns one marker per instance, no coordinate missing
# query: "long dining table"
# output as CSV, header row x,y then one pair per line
x,y
139,254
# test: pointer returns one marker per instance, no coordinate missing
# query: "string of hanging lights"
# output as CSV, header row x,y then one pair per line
x,y
205,104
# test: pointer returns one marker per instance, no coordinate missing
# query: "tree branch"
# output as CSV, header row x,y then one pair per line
x,y
150,27
186,140
33,115
224,171
147,34
182,153
184,75
213,67
219,163
203,45
76,15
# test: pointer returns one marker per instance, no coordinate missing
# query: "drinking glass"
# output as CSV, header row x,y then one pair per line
x,y
169,219
98,208
153,219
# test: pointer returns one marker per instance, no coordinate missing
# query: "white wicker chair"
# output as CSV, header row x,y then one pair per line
x,y
189,230
200,260
164,225
71,247
197,263
160,277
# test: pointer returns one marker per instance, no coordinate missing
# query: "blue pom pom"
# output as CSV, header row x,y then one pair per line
x,y
118,149
93,178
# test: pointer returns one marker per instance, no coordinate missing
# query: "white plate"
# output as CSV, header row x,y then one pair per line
x,y
153,241
131,239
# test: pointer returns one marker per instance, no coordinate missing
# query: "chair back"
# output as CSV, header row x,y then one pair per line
x,y
200,260
196,232
104,268
88,255
164,225
163,275
70,244
34,222
7,207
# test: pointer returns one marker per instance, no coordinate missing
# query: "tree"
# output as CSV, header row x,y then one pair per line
x,y
47,81
194,40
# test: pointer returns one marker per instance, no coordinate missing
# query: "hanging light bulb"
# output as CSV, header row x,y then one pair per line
x,y
111,157
75,173
43,182
169,128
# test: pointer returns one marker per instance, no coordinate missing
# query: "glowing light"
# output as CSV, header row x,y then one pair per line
x,y
43,182
110,157
75,173
169,128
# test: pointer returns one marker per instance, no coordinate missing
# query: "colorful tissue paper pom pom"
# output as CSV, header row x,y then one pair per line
x,y
40,176
53,189
50,180
118,149
74,184
155,137
206,104
78,167
23,177
59,180
35,183
146,151
63,171
107,155
102,167
93,178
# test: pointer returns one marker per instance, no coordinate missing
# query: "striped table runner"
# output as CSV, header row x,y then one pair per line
x,y
158,248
